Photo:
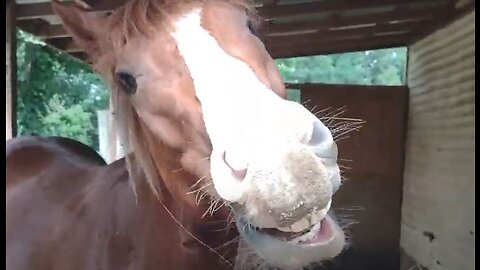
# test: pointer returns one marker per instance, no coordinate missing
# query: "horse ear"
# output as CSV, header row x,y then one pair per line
x,y
83,25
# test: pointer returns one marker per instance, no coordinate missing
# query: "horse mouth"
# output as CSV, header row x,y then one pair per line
x,y
320,233
322,239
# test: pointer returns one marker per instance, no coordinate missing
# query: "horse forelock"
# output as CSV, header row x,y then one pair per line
x,y
145,17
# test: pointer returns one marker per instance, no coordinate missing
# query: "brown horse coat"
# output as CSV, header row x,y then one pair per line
x,y
67,210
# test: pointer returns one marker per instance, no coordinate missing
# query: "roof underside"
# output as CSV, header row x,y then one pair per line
x,y
295,27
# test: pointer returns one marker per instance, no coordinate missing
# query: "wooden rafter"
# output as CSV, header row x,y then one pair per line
x,y
43,29
269,3
39,10
345,33
305,25
335,6
397,14
80,55
65,44
320,46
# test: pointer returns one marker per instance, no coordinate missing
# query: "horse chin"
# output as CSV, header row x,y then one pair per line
x,y
324,240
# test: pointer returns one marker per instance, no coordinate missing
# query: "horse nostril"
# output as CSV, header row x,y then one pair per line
x,y
239,168
322,141
320,134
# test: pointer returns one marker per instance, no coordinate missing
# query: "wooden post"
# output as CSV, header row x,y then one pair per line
x,y
11,70
112,133
109,142
102,118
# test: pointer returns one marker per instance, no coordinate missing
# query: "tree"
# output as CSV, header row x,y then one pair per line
x,y
379,67
56,92
72,122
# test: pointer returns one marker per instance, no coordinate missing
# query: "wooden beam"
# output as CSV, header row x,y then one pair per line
x,y
82,56
39,10
455,13
321,47
398,14
345,33
112,132
43,29
64,44
298,9
316,86
54,31
11,71
404,11
107,5
34,10
269,3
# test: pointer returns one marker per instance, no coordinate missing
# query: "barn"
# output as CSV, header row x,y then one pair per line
x,y
412,162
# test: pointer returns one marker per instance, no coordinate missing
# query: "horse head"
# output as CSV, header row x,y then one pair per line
x,y
193,76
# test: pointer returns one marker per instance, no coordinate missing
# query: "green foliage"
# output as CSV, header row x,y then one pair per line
x,y
293,95
73,121
379,67
56,92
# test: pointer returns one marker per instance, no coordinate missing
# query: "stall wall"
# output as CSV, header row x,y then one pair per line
x,y
438,218
372,160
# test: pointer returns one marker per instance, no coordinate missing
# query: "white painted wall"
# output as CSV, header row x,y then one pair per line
x,y
108,150
439,175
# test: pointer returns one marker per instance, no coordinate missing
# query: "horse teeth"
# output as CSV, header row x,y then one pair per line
x,y
309,221
284,229
300,225
317,216
308,236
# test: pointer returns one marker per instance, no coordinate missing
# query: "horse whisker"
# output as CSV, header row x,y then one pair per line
x,y
211,207
200,188
236,239
200,195
197,182
352,208
193,236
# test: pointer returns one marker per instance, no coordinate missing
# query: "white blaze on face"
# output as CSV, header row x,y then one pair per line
x,y
239,111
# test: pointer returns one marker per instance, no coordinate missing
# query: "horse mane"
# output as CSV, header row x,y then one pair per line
x,y
137,18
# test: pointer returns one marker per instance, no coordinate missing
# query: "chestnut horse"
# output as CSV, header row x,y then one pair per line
x,y
223,171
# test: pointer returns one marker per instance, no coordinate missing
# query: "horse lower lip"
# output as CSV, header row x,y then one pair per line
x,y
324,233
320,232
285,236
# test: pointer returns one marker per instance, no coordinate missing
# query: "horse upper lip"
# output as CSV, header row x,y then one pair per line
x,y
328,160
326,153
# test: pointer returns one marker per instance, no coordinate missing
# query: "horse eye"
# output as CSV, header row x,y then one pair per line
x,y
251,27
128,82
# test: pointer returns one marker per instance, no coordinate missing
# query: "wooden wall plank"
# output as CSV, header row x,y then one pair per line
x,y
371,197
439,175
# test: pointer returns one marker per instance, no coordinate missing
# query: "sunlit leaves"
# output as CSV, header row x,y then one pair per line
x,y
378,67
57,94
